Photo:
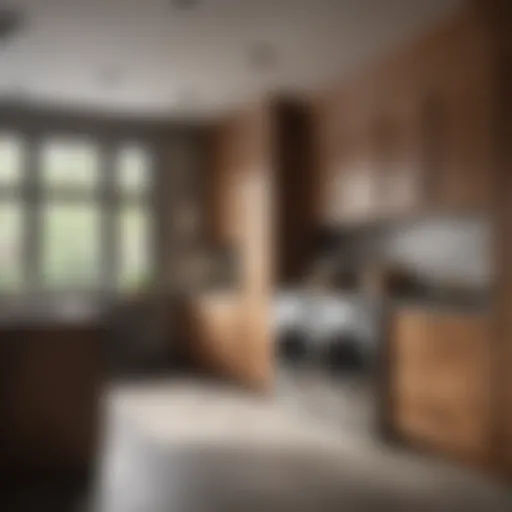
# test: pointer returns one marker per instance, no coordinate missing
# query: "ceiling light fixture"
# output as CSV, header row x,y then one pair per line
x,y
263,56
110,77
185,5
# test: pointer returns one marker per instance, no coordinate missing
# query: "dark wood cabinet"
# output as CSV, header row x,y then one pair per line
x,y
295,201
50,392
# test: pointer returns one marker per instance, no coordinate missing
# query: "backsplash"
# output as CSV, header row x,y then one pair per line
x,y
442,248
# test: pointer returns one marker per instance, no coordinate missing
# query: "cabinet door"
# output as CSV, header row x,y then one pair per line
x,y
460,84
332,157
50,402
356,185
441,382
459,397
217,332
410,378
397,157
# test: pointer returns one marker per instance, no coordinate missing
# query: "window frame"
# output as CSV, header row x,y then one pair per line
x,y
32,195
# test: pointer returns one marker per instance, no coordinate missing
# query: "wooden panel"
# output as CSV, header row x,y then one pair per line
x,y
498,17
231,335
397,155
295,201
49,398
441,382
217,324
378,156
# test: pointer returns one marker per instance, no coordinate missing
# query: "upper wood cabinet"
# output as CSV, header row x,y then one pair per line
x,y
399,176
346,173
414,133
455,84
357,175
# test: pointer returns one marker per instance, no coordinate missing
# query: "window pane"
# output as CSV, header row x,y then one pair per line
x,y
10,160
134,170
135,246
71,245
70,165
11,243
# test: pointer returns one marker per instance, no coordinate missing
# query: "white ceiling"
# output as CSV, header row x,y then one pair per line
x,y
147,57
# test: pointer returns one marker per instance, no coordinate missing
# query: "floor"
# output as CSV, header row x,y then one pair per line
x,y
190,447
343,402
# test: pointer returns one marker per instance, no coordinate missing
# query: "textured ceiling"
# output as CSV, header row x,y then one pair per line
x,y
149,57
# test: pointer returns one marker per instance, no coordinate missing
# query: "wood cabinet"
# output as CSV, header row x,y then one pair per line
x,y
216,325
229,326
50,386
441,381
346,180
413,133
222,215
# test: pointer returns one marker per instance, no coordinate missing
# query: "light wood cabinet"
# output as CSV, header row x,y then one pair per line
x,y
229,327
440,381
413,133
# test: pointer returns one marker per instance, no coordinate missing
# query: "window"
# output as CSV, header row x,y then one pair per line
x,y
70,215
132,170
70,240
134,229
73,222
70,166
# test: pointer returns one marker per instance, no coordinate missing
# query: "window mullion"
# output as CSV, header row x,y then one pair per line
x,y
31,197
109,207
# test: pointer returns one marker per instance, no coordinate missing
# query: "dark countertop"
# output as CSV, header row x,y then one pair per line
x,y
478,304
50,321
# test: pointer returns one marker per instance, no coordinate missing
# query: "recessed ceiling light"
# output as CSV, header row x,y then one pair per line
x,y
185,5
187,98
263,56
110,77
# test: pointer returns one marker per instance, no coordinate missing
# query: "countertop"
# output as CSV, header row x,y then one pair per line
x,y
479,304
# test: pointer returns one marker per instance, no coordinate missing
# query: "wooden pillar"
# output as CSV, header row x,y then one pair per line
x,y
497,14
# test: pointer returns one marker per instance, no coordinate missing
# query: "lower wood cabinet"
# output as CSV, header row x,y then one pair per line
x,y
50,383
229,338
440,382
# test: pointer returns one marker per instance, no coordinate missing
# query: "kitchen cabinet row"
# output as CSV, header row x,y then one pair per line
x,y
412,135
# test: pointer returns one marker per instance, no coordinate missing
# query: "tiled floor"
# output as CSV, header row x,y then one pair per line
x,y
192,447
